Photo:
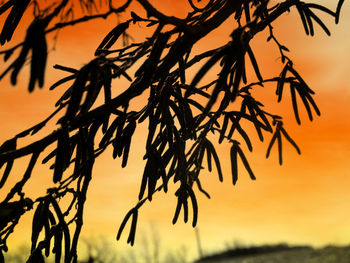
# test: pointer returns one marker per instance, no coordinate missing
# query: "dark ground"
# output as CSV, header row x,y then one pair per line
x,y
281,254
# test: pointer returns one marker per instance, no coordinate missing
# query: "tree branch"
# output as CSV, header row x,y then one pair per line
x,y
171,20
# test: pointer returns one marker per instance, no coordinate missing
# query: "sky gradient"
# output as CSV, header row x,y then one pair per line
x,y
307,200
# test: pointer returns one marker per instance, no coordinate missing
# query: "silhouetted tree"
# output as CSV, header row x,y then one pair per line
x,y
180,113
99,250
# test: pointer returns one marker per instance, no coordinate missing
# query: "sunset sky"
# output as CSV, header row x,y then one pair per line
x,y
305,201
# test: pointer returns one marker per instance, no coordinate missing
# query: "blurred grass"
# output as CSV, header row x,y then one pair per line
x,y
329,254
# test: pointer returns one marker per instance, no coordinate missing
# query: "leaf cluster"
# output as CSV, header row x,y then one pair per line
x,y
180,113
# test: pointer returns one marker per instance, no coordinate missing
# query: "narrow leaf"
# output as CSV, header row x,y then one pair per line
x,y
254,63
322,8
223,129
112,37
131,238
211,148
194,205
337,12
279,142
309,21
109,133
273,139
125,220
292,142
234,169
280,83
177,211
245,162
303,98
38,223
245,137
319,21
206,67
294,102
61,81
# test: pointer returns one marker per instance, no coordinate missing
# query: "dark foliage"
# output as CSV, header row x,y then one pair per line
x,y
180,113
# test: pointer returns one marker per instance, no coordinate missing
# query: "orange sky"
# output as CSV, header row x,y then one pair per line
x,y
307,200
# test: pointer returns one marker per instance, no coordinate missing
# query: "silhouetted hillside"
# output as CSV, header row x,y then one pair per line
x,y
281,253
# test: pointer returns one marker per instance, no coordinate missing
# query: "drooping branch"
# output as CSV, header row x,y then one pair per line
x,y
178,124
